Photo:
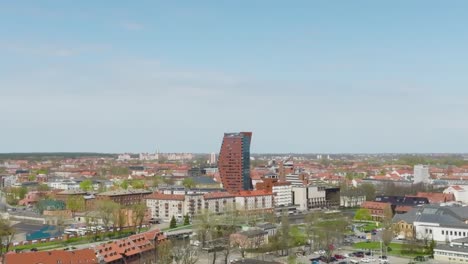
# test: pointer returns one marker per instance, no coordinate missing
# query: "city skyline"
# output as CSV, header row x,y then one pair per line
x,y
316,77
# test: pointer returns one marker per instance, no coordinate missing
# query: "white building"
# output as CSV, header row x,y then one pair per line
x,y
219,202
441,223
460,192
212,158
254,200
282,194
352,201
455,252
64,185
294,180
124,157
165,206
306,197
421,174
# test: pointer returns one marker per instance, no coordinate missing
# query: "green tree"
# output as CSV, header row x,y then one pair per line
x,y
22,192
186,220
138,184
105,210
119,218
43,188
75,203
139,211
173,223
363,214
124,185
86,185
188,183
7,233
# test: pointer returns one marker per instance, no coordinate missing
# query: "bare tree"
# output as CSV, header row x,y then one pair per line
x,y
7,233
106,209
138,213
184,253
163,253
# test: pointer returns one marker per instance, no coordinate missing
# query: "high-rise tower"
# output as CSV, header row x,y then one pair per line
x,y
234,162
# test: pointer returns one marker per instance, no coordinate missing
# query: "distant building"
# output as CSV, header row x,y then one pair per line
x,y
234,162
212,158
421,174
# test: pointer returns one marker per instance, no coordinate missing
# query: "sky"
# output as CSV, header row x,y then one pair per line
x,y
303,76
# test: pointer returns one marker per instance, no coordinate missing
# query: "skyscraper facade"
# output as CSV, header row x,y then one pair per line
x,y
234,162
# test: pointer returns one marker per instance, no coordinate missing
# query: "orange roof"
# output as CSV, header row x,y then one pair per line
x,y
374,205
253,193
217,195
436,197
162,196
108,251
82,256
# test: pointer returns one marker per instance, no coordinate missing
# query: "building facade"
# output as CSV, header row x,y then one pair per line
x,y
254,201
234,162
421,174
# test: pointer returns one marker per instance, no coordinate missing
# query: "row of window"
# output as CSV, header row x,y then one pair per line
x,y
452,233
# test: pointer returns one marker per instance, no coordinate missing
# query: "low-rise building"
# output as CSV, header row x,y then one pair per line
x,y
454,252
352,201
378,210
250,239
440,223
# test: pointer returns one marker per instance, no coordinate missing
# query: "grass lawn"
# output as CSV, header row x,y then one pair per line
x,y
367,226
396,248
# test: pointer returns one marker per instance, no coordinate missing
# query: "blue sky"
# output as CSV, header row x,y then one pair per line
x,y
304,76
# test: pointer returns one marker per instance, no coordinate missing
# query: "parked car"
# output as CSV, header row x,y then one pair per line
x,y
365,260
337,256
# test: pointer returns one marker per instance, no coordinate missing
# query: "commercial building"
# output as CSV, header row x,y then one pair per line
x,y
315,196
234,162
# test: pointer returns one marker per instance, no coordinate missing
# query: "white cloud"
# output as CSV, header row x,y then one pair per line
x,y
132,26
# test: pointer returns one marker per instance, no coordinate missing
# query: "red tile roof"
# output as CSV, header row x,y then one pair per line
x,y
374,205
217,195
162,196
253,193
82,256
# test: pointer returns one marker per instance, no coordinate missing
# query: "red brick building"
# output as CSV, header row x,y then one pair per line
x,y
124,197
234,162
378,210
